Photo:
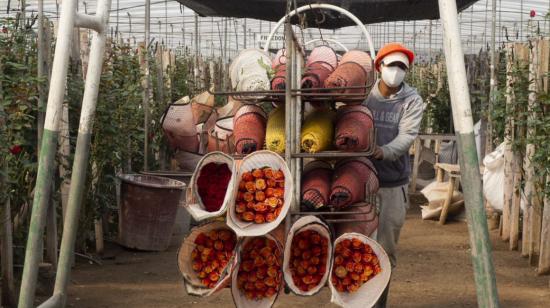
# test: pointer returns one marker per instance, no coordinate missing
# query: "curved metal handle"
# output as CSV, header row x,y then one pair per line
x,y
322,6
327,40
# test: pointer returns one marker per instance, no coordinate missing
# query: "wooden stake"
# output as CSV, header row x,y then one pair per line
x,y
8,291
544,259
508,161
544,254
522,57
417,150
98,228
448,199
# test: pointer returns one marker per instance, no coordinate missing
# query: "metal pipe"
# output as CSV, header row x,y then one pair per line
x,y
430,43
225,60
289,50
480,243
147,95
53,302
244,34
493,81
322,6
82,152
41,72
197,36
46,163
89,21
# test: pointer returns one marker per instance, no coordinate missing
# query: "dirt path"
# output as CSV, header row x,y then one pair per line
x,y
433,270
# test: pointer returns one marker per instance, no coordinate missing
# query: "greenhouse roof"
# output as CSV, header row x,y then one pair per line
x,y
174,24
368,11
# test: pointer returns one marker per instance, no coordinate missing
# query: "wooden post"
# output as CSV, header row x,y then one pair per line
x,y
98,229
544,259
508,155
538,72
417,152
8,291
518,132
525,233
51,234
448,199
528,215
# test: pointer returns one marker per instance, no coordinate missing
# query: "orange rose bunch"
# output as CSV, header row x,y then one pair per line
x,y
309,253
354,264
261,195
259,274
212,253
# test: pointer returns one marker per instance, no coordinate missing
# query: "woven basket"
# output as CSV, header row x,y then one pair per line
x,y
349,74
368,226
249,129
280,58
354,125
354,179
316,180
279,80
230,108
323,54
220,137
249,62
317,132
316,74
360,57
179,127
275,132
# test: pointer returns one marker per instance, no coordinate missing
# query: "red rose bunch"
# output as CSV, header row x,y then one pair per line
x,y
259,274
308,259
212,185
354,264
211,255
261,195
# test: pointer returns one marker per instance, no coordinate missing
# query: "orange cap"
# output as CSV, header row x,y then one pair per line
x,y
391,48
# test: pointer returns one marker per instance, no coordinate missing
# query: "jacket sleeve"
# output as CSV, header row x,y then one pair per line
x,y
409,126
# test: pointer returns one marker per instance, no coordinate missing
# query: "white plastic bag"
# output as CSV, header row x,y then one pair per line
x,y
493,178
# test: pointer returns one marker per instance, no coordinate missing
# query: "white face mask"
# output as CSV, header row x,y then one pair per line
x,y
392,75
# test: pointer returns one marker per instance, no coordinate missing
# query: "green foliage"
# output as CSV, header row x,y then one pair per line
x,y
18,112
541,127
437,114
517,115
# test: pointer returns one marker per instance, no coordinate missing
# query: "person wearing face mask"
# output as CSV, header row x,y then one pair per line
x,y
397,110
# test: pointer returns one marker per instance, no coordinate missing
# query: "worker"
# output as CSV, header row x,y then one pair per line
x,y
397,110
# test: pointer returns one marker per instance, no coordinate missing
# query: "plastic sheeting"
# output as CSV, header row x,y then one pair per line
x,y
368,11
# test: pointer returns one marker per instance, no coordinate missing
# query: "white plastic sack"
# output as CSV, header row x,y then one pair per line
x,y
303,224
436,193
493,178
194,204
455,209
259,159
370,291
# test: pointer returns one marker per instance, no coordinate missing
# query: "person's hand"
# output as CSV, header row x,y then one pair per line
x,y
378,153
